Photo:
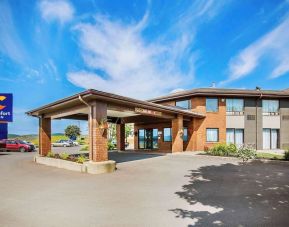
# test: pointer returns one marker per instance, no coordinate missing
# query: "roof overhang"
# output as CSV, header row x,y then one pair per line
x,y
74,104
223,93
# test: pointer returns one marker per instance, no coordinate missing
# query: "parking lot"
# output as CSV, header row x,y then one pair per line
x,y
146,190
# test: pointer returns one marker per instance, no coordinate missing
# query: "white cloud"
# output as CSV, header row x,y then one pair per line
x,y
274,45
132,66
120,60
61,10
10,42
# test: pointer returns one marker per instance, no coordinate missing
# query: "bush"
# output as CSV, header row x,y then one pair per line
x,y
81,159
232,149
222,149
64,156
286,155
246,152
110,146
50,154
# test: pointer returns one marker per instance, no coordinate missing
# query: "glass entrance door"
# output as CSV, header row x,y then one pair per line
x,y
148,138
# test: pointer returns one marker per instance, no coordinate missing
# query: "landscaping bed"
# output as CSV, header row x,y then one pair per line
x,y
244,152
78,158
76,162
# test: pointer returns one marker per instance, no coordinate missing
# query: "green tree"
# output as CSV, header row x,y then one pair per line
x,y
72,131
128,130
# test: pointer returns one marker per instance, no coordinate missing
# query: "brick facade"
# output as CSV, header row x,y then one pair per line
x,y
98,135
212,120
196,128
177,136
120,137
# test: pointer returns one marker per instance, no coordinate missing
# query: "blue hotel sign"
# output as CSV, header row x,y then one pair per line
x,y
6,107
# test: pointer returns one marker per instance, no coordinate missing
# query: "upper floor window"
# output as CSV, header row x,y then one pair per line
x,y
212,105
184,104
270,107
235,106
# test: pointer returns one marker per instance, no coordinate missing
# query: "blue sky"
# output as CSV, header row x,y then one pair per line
x,y
52,49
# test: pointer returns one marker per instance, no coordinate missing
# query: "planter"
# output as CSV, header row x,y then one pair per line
x,y
87,167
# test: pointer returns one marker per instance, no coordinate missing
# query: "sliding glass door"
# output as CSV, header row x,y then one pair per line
x,y
235,136
270,138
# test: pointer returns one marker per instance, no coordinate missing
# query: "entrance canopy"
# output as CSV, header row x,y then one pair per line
x,y
75,107
94,106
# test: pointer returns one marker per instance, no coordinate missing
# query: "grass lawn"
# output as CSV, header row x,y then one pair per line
x,y
270,156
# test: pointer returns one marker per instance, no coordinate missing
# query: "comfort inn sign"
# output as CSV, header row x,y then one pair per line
x,y
148,112
6,107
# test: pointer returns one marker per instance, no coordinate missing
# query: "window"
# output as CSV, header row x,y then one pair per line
x,y
167,134
185,135
212,135
212,105
141,139
235,106
155,138
235,136
270,138
185,104
270,107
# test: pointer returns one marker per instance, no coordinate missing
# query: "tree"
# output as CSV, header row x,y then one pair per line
x,y
128,130
72,131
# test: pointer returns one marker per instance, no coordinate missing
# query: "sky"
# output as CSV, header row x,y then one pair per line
x,y
51,49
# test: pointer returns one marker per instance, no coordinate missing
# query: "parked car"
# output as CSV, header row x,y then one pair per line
x,y
16,145
61,143
74,142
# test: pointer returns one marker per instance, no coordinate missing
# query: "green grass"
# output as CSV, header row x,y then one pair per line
x,y
270,156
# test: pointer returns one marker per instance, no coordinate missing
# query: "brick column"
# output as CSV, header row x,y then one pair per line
x,y
44,136
190,143
97,136
177,139
120,137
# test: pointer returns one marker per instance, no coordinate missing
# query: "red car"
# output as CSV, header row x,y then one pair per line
x,y
16,145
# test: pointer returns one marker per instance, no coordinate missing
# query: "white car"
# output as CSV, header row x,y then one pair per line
x,y
61,143
75,143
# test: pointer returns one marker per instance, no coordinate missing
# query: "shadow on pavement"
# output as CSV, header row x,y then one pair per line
x,y
120,157
249,194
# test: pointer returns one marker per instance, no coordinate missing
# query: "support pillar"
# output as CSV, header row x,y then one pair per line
x,y
190,142
97,135
120,137
44,136
177,137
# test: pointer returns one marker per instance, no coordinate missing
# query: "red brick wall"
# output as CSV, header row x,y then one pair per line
x,y
212,120
177,127
98,136
197,128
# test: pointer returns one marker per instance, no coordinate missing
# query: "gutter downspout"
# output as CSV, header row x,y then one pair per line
x,y
90,126
260,97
